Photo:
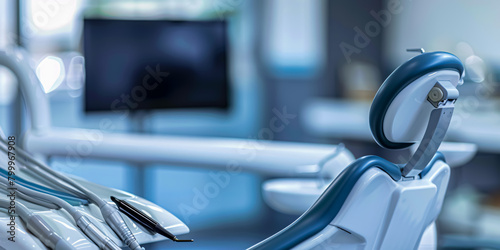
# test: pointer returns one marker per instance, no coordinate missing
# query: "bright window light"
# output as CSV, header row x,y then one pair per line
x,y
51,73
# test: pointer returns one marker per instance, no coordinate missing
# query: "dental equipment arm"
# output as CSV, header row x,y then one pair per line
x,y
39,227
109,213
248,155
16,60
87,227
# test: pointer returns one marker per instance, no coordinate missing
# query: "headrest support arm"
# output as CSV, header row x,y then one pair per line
x,y
442,96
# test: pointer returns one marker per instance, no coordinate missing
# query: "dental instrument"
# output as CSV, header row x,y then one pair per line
x,y
143,219
38,227
109,213
374,203
81,220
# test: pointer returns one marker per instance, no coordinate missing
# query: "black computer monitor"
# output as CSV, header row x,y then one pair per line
x,y
155,64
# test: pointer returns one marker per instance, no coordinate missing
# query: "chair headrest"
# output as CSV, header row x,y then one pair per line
x,y
421,73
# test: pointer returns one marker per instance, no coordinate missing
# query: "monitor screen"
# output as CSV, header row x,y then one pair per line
x,y
155,64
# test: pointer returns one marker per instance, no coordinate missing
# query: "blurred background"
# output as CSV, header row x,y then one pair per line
x,y
319,61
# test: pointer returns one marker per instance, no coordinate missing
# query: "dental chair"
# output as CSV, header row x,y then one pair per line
x,y
371,203
376,204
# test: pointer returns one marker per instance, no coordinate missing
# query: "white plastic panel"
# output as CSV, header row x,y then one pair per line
x,y
429,239
380,213
408,114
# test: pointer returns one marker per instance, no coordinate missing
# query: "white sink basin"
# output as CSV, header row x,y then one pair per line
x,y
292,196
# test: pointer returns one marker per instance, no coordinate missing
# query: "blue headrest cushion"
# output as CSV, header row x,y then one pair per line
x,y
400,78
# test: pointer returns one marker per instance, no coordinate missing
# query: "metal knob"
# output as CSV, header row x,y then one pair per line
x,y
436,94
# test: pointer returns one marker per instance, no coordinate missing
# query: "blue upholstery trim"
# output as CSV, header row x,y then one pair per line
x,y
437,157
324,210
398,80
73,200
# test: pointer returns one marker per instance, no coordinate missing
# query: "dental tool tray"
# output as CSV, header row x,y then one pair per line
x,y
63,223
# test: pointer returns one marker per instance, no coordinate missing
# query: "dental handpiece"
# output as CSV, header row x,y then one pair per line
x,y
37,226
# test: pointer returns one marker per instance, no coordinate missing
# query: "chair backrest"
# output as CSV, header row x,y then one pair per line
x,y
381,213
373,204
